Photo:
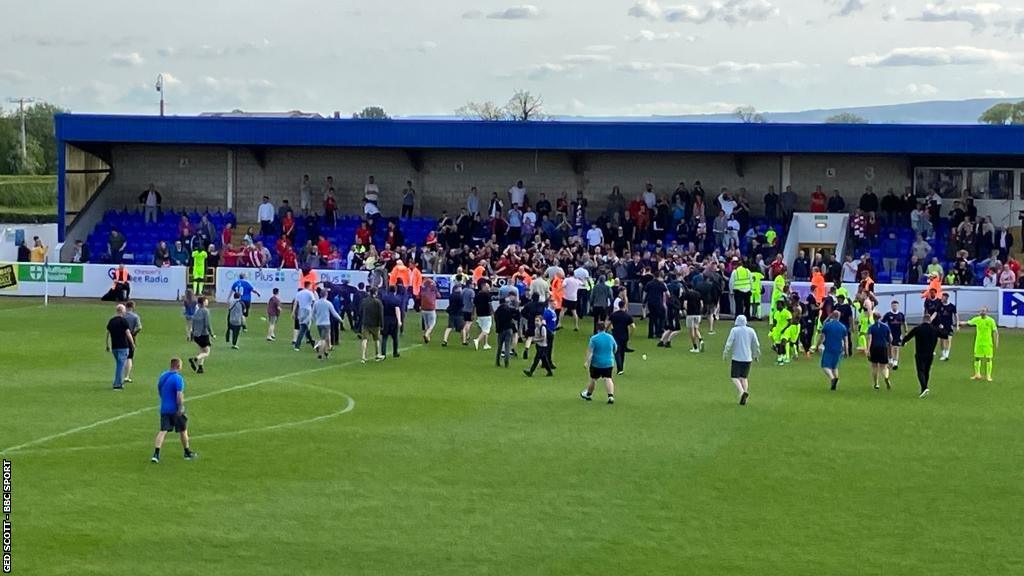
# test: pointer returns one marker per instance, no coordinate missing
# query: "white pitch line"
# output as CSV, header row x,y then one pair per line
x,y
113,419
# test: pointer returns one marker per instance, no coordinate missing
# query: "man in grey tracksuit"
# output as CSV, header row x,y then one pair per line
x,y
236,318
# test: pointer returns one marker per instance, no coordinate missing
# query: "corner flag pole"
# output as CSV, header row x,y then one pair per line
x,y
46,281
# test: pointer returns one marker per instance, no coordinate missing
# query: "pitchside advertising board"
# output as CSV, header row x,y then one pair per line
x,y
93,280
1011,308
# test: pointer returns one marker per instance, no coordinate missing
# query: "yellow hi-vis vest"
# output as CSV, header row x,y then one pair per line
x,y
741,279
755,293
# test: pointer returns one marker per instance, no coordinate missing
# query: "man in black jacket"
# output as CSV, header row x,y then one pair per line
x,y
927,338
868,201
504,327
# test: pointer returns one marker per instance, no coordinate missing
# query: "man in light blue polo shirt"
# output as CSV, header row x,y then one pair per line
x,y
171,389
600,360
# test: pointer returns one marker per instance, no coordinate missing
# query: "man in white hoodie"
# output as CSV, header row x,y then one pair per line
x,y
745,349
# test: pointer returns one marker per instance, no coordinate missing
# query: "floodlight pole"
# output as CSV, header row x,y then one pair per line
x,y
160,89
21,107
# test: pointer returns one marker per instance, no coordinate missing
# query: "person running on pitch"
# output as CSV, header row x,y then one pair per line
x,y
600,360
879,342
540,340
171,390
927,337
833,337
456,318
896,321
674,309
694,305
745,349
986,340
202,330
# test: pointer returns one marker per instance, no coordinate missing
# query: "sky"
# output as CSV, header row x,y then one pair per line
x,y
428,57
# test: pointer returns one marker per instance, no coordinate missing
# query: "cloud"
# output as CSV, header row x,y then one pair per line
x,y
849,7
990,93
565,65
11,76
522,12
725,67
212,52
729,11
890,14
979,15
426,46
920,89
651,36
600,48
935,56
126,59
170,79
472,15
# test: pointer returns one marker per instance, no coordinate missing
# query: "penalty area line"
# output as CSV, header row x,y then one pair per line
x,y
111,420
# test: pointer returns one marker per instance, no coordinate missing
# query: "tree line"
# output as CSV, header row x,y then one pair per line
x,y
40,141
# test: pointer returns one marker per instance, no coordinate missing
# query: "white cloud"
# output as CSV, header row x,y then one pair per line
x,y
979,15
12,76
728,11
585,58
990,93
126,59
890,14
472,15
565,65
651,36
426,46
216,52
725,67
170,79
600,48
935,56
849,7
923,89
522,12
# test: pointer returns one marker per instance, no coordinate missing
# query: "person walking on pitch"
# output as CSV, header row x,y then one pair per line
x,y
896,321
878,344
947,322
927,337
600,360
171,390
986,340
202,330
834,343
745,349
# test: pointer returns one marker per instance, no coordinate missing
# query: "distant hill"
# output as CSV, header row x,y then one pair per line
x,y
934,112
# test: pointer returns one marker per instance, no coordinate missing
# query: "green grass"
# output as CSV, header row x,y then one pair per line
x,y
28,194
448,465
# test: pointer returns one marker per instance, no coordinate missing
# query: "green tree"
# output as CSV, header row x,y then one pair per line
x,y
846,118
371,113
39,125
1003,114
749,115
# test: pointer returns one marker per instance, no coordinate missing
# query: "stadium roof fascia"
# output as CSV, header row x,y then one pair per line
x,y
582,136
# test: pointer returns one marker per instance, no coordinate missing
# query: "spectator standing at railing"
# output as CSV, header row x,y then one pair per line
x,y
891,206
891,250
473,202
116,244
150,200
283,209
517,194
819,201
408,200
305,193
207,229
868,201
265,214
39,250
788,202
771,206
836,202
330,209
934,206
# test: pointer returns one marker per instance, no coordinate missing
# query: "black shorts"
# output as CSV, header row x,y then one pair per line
x,y
173,423
596,372
131,352
245,308
202,341
897,341
945,332
570,305
739,369
456,321
467,316
878,355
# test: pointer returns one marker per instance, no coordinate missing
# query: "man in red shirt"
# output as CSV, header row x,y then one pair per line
x,y
323,246
363,234
818,200
777,267
288,259
428,307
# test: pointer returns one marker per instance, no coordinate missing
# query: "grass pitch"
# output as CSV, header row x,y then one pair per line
x,y
446,465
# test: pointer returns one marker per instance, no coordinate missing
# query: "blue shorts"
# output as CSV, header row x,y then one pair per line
x,y
830,360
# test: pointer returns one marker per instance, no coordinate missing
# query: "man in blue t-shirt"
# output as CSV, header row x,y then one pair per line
x,y
246,289
896,321
551,323
833,335
600,360
879,343
171,389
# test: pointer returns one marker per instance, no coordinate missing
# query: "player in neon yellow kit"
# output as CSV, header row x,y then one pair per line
x,y
780,320
986,340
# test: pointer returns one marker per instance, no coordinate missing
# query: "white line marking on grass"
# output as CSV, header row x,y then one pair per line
x,y
98,423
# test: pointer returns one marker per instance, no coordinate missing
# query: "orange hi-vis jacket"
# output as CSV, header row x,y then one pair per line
x,y
934,284
417,280
819,287
558,291
120,276
312,278
400,271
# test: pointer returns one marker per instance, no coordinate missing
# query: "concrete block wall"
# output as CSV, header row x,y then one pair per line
x,y
197,177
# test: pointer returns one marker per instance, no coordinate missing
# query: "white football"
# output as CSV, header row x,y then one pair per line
x,y
644,357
